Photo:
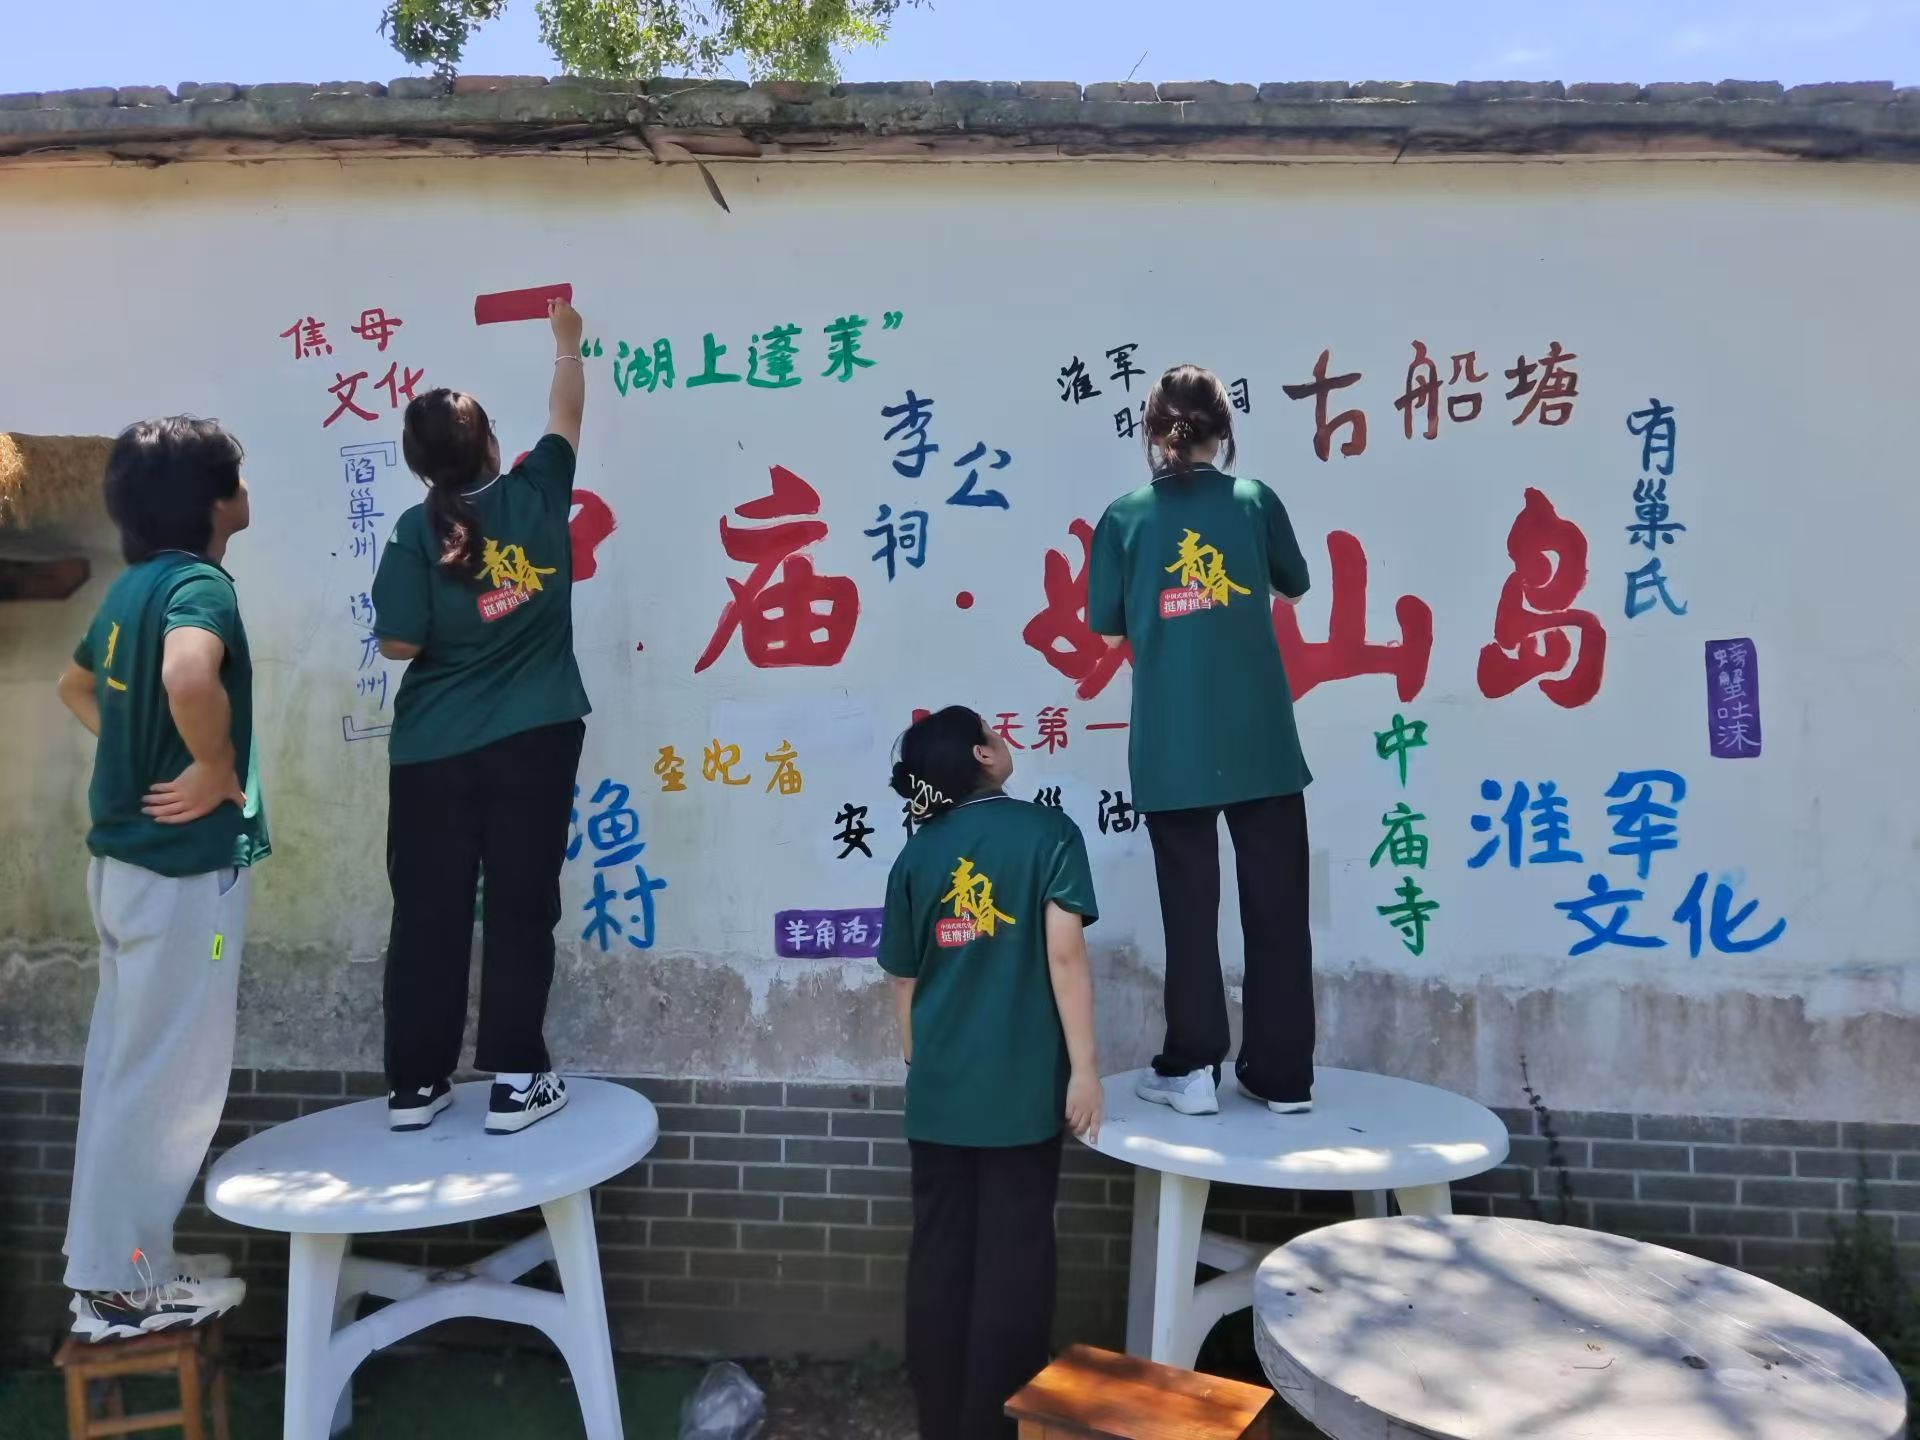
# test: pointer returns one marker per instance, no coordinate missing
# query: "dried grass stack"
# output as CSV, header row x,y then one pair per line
x,y
45,479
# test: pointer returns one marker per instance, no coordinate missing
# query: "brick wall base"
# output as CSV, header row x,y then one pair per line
x,y
772,1218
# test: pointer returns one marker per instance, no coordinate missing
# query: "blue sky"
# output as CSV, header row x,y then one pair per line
x,y
53,44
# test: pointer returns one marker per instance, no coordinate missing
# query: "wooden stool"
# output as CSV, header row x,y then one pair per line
x,y
191,1352
1093,1394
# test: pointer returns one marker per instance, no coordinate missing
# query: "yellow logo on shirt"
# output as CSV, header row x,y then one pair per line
x,y
514,578
1203,579
113,641
974,914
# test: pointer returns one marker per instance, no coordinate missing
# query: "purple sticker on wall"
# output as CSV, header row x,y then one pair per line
x,y
826,934
1733,700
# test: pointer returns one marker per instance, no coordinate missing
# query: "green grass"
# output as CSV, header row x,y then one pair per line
x,y
424,1395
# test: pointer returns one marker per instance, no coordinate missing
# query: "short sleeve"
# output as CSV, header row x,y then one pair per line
x,y
1070,881
550,466
402,592
204,601
1106,581
83,652
1287,568
899,947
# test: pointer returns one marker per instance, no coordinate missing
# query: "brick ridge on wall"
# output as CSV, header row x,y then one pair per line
x,y
772,1217
680,118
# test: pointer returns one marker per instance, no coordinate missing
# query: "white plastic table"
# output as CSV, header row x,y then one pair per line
x,y
327,1177
1368,1134
1469,1326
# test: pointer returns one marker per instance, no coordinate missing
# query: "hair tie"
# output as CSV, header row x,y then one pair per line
x,y
925,797
1180,432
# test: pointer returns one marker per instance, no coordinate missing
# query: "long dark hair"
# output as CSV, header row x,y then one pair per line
x,y
163,479
937,768
448,442
1188,409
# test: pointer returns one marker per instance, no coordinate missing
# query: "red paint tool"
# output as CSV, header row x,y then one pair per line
x,y
505,305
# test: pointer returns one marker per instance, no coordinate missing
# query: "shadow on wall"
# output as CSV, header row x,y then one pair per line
x,y
47,483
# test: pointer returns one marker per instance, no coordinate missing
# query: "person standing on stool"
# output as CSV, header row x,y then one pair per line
x,y
1183,569
164,679
475,588
984,934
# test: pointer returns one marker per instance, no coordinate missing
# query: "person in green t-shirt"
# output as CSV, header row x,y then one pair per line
x,y
164,680
984,934
1184,569
475,588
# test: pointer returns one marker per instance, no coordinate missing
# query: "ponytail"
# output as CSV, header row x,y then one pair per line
x,y
449,444
937,768
1187,409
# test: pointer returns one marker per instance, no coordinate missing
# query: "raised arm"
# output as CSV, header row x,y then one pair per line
x,y
567,400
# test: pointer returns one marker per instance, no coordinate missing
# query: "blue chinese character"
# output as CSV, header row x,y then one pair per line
x,y
603,926
369,650
1649,578
1516,810
908,538
642,891
1551,829
1725,920
1613,932
1643,823
1652,528
1655,424
967,494
616,829
573,825
915,415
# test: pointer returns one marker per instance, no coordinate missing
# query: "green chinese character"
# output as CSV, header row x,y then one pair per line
x,y
635,369
710,373
843,353
1406,845
772,369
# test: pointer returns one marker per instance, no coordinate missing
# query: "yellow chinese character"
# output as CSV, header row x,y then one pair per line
x,y
1205,566
718,763
508,565
786,774
672,771
972,897
113,639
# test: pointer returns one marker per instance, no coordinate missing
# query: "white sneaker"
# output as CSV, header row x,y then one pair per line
x,y
1191,1094
120,1315
1289,1107
192,1268
510,1110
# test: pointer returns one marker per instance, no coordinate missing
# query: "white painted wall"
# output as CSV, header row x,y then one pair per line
x,y
1770,305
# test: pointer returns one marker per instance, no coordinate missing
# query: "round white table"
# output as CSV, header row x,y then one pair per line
x,y
327,1177
1468,1326
1368,1134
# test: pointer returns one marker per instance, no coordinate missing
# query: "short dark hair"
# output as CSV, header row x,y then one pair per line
x,y
937,753
1188,407
164,478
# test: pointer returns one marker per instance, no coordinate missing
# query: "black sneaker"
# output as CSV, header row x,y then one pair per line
x,y
509,1109
415,1109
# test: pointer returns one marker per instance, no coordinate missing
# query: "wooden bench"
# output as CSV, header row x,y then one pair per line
x,y
190,1352
1090,1394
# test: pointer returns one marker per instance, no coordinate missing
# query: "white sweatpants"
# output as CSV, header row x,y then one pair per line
x,y
159,1053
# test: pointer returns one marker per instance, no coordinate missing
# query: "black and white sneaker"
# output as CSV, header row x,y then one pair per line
x,y
415,1109
512,1109
121,1315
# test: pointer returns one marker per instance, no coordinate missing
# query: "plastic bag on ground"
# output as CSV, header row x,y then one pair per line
x,y
726,1405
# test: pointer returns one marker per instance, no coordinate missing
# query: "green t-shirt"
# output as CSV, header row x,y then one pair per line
x,y
139,747
966,919
496,647
1185,569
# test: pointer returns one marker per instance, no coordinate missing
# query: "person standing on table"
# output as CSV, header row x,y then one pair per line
x,y
1183,569
475,588
984,934
164,680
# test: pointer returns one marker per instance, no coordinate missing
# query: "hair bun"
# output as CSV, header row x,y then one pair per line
x,y
1180,432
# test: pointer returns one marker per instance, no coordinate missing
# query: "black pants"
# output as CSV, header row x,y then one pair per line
x,y
980,1282
1270,855
504,806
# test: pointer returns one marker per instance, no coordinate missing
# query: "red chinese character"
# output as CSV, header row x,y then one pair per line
x,y
309,337
376,325
592,521
801,618
1462,408
343,389
1319,388
1008,723
1053,729
1346,652
1530,639
398,383
1061,633
1421,393
1552,394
